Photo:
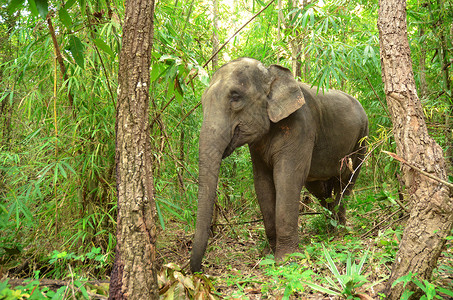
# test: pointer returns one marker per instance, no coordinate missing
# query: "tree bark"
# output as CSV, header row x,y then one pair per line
x,y
431,204
134,274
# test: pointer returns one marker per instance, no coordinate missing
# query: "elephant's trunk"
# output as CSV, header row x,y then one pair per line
x,y
213,143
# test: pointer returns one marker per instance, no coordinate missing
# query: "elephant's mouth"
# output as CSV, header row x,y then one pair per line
x,y
233,143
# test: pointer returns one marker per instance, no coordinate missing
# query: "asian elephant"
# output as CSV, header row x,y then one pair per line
x,y
296,137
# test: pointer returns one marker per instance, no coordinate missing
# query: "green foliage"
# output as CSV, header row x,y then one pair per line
x,y
57,159
430,291
33,290
347,282
291,275
61,262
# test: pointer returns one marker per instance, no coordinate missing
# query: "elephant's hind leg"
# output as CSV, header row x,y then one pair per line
x,y
323,191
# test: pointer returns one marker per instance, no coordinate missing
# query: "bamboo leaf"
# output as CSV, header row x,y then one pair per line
x,y
32,7
104,47
76,48
14,5
65,18
69,3
42,7
82,4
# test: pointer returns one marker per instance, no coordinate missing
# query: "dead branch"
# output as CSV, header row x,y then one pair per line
x,y
358,167
379,98
402,160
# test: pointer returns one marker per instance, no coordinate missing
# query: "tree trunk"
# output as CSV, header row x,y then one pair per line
x,y
423,84
215,34
279,29
438,29
431,214
296,45
134,274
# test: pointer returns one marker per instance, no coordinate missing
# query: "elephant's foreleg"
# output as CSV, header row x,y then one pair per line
x,y
289,178
323,191
265,192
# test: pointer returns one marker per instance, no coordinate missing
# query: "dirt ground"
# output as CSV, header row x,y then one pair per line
x,y
236,251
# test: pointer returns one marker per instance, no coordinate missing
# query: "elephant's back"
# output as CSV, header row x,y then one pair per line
x,y
341,122
331,105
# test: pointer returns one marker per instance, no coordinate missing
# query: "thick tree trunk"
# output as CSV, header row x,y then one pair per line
x,y
134,274
431,214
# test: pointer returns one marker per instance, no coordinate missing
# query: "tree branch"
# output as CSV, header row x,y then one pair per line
x,y
402,160
59,57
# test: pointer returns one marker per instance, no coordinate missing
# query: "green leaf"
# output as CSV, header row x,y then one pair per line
x,y
159,214
76,48
267,261
69,3
332,267
405,279
59,293
445,291
62,171
406,294
82,4
67,166
14,5
82,289
32,7
321,289
65,18
104,47
156,71
42,7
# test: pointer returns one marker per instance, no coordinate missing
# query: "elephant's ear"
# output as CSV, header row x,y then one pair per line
x,y
285,95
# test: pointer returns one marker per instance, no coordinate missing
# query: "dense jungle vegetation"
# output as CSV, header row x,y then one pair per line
x,y
57,146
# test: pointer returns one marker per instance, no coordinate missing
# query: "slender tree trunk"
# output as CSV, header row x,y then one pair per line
x,y
438,29
431,214
296,46
423,84
215,34
134,274
60,60
306,53
279,28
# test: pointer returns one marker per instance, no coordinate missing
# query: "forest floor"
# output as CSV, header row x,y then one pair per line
x,y
237,267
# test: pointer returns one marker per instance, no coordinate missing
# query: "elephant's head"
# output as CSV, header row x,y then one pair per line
x,y
244,97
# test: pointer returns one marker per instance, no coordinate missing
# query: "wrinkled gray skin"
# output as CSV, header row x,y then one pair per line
x,y
296,138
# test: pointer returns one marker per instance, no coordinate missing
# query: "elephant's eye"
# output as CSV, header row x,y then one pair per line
x,y
234,97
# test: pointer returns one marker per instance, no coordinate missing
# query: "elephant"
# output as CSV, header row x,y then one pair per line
x,y
296,137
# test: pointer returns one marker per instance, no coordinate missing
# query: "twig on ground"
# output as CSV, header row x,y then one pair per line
x,y
401,205
379,224
397,220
